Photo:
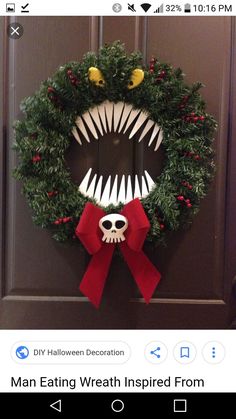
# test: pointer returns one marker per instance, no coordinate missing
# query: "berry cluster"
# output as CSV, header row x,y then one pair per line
x,y
187,185
52,193
36,158
62,220
185,201
193,118
73,79
183,102
192,155
53,97
160,221
152,65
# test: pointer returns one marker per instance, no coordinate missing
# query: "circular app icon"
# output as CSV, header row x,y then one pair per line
x,y
22,352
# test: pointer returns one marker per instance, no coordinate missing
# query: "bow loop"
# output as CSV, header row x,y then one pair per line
x,y
138,224
88,230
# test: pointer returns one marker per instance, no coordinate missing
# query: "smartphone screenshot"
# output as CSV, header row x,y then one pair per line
x,y
117,208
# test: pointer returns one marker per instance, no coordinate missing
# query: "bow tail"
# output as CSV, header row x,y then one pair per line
x,y
94,279
144,272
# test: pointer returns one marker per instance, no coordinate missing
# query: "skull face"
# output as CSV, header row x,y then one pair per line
x,y
113,226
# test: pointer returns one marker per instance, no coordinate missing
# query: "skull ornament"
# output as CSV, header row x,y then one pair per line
x,y
113,226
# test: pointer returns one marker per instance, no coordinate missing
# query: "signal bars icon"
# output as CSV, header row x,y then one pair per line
x,y
160,9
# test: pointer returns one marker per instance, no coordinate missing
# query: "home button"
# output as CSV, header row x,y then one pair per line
x,y
117,405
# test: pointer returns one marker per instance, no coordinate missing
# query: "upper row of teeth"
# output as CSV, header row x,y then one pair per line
x,y
119,117
111,194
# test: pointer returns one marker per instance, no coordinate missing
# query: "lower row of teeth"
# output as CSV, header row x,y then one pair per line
x,y
108,193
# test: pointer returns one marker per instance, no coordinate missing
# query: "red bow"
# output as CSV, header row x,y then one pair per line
x,y
89,233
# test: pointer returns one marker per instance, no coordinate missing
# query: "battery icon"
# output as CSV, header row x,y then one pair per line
x,y
187,8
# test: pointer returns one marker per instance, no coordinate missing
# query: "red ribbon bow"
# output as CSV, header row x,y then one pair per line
x,y
144,272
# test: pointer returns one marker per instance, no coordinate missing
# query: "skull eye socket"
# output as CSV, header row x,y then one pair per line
x,y
119,224
107,224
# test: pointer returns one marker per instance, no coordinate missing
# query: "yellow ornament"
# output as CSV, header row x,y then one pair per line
x,y
95,75
136,78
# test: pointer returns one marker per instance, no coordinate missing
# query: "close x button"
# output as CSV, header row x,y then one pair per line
x,y
15,30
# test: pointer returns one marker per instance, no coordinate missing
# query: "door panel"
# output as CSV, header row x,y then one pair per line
x,y
41,277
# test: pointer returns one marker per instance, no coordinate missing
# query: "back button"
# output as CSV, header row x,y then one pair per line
x,y
56,406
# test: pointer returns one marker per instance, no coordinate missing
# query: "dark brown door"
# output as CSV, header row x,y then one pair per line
x,y
40,277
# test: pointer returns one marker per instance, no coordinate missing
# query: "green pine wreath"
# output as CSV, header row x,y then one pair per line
x,y
45,134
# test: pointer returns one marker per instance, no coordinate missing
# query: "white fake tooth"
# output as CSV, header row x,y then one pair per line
x,y
140,121
154,133
121,195
90,191
126,112
95,115
105,199
102,114
137,192
129,192
159,140
144,188
131,118
109,113
98,190
148,126
118,108
89,121
76,135
113,197
150,181
84,184
80,124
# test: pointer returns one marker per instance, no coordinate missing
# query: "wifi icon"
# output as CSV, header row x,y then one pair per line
x,y
145,6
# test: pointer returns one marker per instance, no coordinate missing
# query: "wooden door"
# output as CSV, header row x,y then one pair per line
x,y
39,284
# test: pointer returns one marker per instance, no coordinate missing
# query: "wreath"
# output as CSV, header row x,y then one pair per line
x,y
113,91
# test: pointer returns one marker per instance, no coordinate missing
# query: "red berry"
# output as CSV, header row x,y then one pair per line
x,y
187,201
180,198
196,157
162,226
66,219
57,222
187,118
50,194
36,158
202,118
195,118
163,73
192,114
151,70
51,90
190,187
69,72
189,205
